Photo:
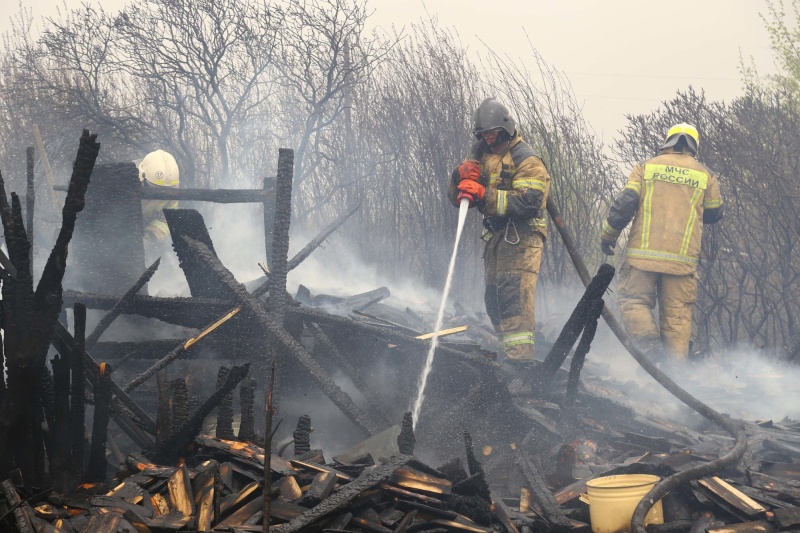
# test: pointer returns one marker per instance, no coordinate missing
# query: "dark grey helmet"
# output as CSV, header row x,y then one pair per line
x,y
490,115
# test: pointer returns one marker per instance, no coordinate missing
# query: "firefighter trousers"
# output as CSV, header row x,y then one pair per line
x,y
639,290
511,271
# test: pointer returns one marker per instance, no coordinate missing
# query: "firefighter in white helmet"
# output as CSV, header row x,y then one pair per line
x,y
158,169
668,199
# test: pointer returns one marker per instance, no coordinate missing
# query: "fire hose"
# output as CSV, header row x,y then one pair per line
x,y
730,425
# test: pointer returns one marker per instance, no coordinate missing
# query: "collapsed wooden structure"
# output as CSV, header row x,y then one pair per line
x,y
154,468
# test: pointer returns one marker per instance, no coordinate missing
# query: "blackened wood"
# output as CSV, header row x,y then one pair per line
x,y
573,327
247,394
23,514
77,407
270,411
541,494
589,329
30,200
121,304
61,468
225,409
189,223
269,220
217,196
342,498
320,488
476,469
406,439
107,254
96,472
22,379
744,527
164,414
175,445
280,234
292,347
180,402
185,311
63,342
302,435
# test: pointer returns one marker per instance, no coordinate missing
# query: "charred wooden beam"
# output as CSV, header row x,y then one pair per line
x,y
476,469
185,311
102,398
217,196
175,445
63,342
180,402
164,413
302,435
61,459
406,439
280,235
77,407
540,493
344,496
590,328
225,409
23,377
189,223
573,327
276,331
247,394
121,304
23,514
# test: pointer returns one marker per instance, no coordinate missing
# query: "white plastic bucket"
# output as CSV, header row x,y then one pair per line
x,y
612,500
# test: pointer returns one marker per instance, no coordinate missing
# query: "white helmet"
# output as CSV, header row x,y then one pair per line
x,y
159,168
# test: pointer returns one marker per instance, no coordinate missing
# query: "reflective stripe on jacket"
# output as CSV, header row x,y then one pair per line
x,y
153,217
669,198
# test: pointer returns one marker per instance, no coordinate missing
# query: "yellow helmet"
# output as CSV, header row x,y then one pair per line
x,y
159,168
684,131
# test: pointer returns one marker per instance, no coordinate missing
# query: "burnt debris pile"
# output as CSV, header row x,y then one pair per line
x,y
165,431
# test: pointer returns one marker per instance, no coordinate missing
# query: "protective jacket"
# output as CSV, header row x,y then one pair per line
x,y
153,217
517,184
669,198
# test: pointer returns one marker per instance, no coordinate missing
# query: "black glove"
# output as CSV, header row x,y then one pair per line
x,y
607,247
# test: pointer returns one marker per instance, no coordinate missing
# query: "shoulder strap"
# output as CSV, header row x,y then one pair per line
x,y
522,151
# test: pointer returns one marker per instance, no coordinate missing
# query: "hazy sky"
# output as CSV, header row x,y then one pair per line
x,y
622,56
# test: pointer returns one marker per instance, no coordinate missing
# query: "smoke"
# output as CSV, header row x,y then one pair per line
x,y
746,383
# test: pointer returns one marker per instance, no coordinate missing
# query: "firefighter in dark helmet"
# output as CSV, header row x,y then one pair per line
x,y
509,185
669,198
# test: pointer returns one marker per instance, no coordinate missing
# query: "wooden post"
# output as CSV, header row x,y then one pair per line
x,y
102,399
268,450
30,200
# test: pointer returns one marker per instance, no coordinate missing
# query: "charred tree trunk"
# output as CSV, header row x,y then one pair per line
x,y
30,201
302,435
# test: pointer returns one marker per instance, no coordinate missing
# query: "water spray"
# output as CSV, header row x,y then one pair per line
x,y
465,201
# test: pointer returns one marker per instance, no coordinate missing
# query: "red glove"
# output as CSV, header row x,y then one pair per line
x,y
469,170
473,188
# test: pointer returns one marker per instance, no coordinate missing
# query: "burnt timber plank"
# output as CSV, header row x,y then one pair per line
x,y
320,488
347,494
786,518
180,492
734,497
745,527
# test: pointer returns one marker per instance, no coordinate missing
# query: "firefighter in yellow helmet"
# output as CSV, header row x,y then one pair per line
x,y
509,184
669,198
158,169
